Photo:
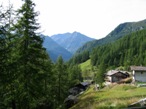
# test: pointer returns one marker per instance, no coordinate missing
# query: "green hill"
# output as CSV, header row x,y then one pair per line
x,y
129,50
86,65
123,30
120,31
88,70
113,97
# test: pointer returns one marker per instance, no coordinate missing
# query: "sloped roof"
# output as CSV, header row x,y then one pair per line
x,y
112,72
85,83
138,68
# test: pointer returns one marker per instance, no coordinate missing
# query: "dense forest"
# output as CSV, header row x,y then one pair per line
x,y
129,50
121,30
28,78
79,58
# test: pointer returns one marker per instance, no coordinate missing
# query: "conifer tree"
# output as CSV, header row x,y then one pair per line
x,y
74,75
100,74
3,58
7,63
32,57
61,81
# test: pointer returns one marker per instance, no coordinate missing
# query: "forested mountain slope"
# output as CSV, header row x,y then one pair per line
x,y
129,50
120,31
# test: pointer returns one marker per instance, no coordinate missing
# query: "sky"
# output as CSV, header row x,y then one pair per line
x,y
93,18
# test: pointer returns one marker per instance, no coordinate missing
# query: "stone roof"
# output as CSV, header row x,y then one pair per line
x,y
112,72
138,68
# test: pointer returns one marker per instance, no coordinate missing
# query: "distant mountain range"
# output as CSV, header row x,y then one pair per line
x,y
54,50
120,31
64,45
71,41
67,44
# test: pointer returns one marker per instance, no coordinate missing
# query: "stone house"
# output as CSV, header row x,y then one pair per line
x,y
138,73
113,76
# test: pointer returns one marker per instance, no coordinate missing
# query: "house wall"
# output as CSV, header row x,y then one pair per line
x,y
140,76
118,77
133,75
109,78
115,79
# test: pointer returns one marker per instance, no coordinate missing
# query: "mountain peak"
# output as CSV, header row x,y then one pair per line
x,y
71,41
75,32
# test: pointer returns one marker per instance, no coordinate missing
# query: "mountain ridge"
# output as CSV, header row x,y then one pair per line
x,y
71,41
121,30
54,50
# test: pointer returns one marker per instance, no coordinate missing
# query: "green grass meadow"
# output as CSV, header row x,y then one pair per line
x,y
88,70
112,97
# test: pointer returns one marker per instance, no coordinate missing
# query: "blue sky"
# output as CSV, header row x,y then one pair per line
x,y
94,18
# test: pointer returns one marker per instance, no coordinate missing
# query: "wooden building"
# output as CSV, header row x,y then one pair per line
x,y
113,76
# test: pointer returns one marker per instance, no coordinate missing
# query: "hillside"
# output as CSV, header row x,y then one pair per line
x,y
88,71
71,41
120,31
54,50
126,51
113,97
129,50
127,28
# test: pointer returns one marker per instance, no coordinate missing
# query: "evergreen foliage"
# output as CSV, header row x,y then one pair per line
x,y
61,81
100,75
31,56
7,60
74,75
79,58
120,31
130,50
28,78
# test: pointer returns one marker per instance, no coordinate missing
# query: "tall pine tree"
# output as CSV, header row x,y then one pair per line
x,y
61,82
74,76
31,58
7,63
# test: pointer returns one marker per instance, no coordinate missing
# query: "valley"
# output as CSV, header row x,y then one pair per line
x,y
119,54
38,71
64,45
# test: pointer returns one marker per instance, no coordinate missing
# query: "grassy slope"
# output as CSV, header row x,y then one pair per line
x,y
86,65
115,97
87,70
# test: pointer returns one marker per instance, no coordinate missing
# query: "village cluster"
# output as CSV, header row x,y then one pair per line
x,y
137,74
